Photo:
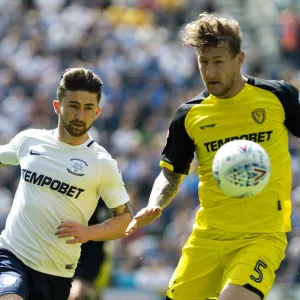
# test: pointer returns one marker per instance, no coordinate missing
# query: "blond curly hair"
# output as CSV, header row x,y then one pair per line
x,y
208,30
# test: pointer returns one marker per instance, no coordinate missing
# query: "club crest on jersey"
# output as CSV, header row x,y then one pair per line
x,y
77,166
259,115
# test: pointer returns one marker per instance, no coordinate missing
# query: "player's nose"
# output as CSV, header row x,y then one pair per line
x,y
79,116
210,72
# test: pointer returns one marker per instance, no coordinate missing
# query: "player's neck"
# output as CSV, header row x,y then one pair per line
x,y
240,83
237,88
65,137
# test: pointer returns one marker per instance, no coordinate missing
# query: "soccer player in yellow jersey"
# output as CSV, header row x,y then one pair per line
x,y
237,243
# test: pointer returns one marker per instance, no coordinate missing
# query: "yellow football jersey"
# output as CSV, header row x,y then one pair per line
x,y
263,112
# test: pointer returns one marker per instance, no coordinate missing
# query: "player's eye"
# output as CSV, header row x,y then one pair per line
x,y
73,106
88,108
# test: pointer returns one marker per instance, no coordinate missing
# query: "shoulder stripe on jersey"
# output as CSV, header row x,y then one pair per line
x,y
179,149
90,143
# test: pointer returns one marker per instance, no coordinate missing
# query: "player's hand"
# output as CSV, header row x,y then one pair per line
x,y
144,217
79,233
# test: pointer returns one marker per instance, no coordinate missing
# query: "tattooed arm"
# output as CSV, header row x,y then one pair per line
x,y
111,229
165,188
123,209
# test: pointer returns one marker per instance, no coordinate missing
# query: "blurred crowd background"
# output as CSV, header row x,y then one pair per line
x,y
135,47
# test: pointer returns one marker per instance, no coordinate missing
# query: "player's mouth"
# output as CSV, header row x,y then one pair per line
x,y
79,125
213,82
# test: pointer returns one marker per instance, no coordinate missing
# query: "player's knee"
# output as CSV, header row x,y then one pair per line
x,y
81,291
77,291
236,292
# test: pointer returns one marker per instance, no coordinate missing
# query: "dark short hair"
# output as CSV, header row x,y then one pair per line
x,y
208,30
79,79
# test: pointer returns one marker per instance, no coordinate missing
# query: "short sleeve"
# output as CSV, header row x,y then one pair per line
x,y
179,149
112,188
290,101
288,95
9,152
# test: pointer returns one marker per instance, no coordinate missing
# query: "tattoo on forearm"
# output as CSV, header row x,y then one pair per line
x,y
167,195
124,209
165,188
113,212
128,209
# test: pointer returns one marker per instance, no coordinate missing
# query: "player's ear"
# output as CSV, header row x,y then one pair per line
x,y
240,58
56,106
98,111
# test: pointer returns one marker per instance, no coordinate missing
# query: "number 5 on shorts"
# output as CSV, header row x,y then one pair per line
x,y
260,264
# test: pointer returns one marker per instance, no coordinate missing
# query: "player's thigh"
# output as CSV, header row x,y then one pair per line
x,y
11,297
236,292
254,264
13,277
199,272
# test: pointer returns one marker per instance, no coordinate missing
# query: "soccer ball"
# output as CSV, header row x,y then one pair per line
x,y
241,168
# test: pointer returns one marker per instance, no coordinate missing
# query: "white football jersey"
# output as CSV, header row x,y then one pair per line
x,y
59,182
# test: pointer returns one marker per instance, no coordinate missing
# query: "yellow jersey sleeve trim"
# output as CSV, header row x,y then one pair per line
x,y
164,164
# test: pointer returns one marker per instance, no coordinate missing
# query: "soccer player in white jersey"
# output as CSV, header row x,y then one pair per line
x,y
63,174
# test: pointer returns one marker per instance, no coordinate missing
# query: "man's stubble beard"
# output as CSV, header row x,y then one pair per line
x,y
226,89
75,132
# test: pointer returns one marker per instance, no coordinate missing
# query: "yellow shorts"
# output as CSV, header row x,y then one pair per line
x,y
211,259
